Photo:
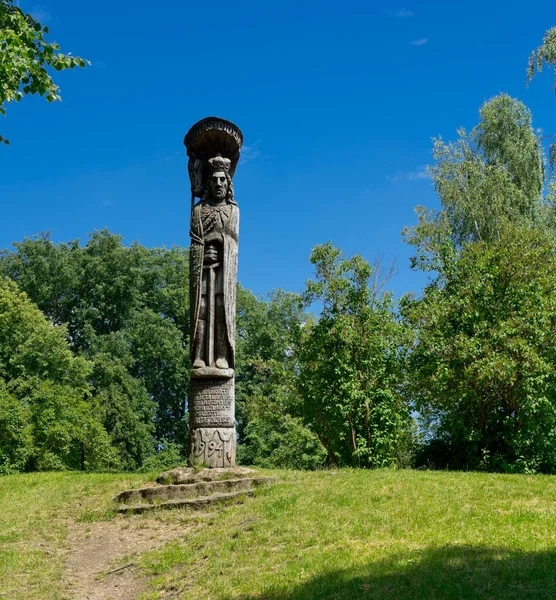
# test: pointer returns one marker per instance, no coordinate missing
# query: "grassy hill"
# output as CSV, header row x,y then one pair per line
x,y
332,534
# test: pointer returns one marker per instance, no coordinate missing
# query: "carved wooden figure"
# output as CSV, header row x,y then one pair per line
x,y
213,147
213,260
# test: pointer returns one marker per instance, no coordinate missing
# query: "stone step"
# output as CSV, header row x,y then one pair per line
x,y
163,493
194,503
190,475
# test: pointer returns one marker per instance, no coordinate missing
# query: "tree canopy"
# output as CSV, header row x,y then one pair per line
x,y
350,363
482,371
479,371
126,310
271,432
487,180
47,411
494,175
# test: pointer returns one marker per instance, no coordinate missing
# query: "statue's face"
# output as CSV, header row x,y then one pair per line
x,y
218,185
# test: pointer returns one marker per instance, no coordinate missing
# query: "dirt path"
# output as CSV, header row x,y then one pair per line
x,y
97,551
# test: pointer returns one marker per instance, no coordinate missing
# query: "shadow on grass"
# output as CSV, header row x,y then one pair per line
x,y
453,572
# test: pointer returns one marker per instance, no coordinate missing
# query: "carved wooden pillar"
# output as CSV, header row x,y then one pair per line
x,y
213,147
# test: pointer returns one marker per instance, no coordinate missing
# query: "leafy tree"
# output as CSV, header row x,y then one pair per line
x,y
269,433
46,409
274,438
15,435
350,363
492,176
486,181
127,410
482,372
162,363
26,57
477,342
126,310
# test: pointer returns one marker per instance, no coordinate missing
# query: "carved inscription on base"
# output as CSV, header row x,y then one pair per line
x,y
214,447
212,422
211,403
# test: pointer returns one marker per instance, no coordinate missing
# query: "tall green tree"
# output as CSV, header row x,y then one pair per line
x,y
271,433
126,310
479,370
482,373
487,180
350,364
26,58
48,416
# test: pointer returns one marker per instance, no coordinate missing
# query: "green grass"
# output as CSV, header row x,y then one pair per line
x,y
380,534
35,511
395,535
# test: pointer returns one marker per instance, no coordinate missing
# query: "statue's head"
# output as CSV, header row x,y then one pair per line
x,y
219,186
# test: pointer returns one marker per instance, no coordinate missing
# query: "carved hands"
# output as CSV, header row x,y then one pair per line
x,y
211,254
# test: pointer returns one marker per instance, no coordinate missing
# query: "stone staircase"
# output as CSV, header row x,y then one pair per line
x,y
183,487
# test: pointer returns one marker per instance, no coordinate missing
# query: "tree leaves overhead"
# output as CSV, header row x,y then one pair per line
x,y
544,55
26,57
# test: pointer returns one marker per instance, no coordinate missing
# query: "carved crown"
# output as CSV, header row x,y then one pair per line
x,y
219,163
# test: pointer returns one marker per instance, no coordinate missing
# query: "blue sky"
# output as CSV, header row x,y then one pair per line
x,y
338,103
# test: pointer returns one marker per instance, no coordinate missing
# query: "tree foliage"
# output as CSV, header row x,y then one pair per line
x,y
47,411
126,310
479,371
482,372
271,433
350,363
487,180
26,57
544,55
493,176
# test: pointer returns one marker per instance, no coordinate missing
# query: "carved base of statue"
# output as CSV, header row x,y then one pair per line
x,y
212,419
214,447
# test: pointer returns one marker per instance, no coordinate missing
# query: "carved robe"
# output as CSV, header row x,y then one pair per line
x,y
214,224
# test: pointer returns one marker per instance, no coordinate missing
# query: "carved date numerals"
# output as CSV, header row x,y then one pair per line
x,y
214,447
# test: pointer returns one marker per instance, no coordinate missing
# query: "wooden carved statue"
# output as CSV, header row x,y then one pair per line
x,y
213,147
213,264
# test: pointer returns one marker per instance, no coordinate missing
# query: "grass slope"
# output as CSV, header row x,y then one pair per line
x,y
35,511
324,535
373,534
